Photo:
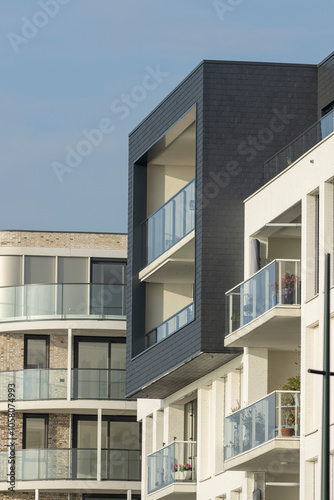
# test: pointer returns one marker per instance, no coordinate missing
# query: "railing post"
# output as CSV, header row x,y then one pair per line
x,y
99,444
280,282
69,364
279,423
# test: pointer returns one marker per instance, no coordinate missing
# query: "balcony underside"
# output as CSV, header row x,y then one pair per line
x,y
278,328
176,491
277,455
175,266
76,485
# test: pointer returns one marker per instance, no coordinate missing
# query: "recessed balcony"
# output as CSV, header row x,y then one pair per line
x,y
170,326
173,469
62,301
74,463
47,384
264,432
169,224
264,311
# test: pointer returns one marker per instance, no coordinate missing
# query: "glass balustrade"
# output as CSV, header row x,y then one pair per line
x,y
98,384
277,284
275,416
173,463
76,463
170,326
34,384
121,465
62,301
288,155
169,224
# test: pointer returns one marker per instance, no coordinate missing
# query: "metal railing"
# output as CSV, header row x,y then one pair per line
x,y
275,416
170,326
173,463
62,301
276,284
299,146
169,224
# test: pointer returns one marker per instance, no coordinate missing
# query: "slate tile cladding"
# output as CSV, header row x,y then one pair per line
x,y
236,104
326,82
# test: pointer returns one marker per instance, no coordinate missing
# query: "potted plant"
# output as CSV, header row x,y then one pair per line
x,y
288,406
288,285
235,318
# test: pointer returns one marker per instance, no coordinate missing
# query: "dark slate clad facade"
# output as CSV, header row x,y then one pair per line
x,y
245,113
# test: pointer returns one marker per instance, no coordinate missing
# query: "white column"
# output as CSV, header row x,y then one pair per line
x,y
36,494
99,443
128,495
69,363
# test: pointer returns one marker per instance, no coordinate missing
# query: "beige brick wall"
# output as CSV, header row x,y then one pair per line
x,y
62,240
11,351
59,430
58,351
18,431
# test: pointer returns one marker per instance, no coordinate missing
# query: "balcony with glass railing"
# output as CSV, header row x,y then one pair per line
x,y
255,434
175,463
170,326
299,146
62,301
49,384
272,295
76,463
169,224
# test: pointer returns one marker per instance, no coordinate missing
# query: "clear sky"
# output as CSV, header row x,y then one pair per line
x,y
69,67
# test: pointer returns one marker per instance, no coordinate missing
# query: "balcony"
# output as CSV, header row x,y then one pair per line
x,y
173,467
169,224
264,432
264,311
47,384
62,301
288,155
170,326
60,464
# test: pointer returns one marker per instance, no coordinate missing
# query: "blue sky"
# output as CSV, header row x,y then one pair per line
x,y
65,63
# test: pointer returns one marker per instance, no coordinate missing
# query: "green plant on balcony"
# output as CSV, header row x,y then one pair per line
x,y
288,401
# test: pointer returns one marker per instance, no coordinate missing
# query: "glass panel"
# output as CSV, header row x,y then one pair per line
x,y
316,133
87,434
10,270
121,465
39,269
174,323
34,384
174,463
124,435
93,354
174,220
75,300
276,284
35,432
276,415
90,384
85,462
37,353
110,273
118,355
40,300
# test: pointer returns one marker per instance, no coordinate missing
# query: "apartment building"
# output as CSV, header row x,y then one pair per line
x,y
67,431
216,361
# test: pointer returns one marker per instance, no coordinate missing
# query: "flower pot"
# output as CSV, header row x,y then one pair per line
x,y
288,296
287,431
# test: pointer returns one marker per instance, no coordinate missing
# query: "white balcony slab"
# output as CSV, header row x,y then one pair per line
x,y
278,328
176,265
277,455
76,485
176,491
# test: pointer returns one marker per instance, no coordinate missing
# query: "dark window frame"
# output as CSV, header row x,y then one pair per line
x,y
39,337
45,417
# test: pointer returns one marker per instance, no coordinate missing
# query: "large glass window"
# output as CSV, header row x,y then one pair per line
x,y
39,269
99,368
36,351
108,287
35,431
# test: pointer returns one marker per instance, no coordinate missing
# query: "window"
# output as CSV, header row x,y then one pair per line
x,y
35,431
108,280
99,368
36,351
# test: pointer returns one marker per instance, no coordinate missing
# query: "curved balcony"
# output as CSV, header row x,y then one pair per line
x,y
47,384
62,301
